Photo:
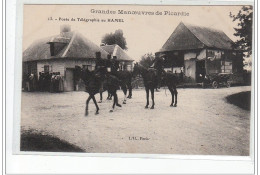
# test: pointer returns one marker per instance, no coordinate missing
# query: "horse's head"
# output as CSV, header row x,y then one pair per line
x,y
78,71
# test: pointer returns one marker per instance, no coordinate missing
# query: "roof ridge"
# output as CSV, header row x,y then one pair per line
x,y
115,50
70,43
200,26
193,33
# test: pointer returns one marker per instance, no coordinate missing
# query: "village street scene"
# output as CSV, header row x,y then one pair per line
x,y
182,89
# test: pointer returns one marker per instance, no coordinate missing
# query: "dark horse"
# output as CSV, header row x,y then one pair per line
x,y
150,82
125,78
126,82
92,80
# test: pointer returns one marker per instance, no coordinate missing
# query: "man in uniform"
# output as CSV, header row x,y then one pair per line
x,y
115,65
100,63
158,65
100,70
109,63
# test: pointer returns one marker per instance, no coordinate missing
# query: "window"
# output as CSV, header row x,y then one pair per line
x,y
226,66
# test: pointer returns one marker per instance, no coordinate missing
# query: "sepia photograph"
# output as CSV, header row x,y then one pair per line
x,y
137,79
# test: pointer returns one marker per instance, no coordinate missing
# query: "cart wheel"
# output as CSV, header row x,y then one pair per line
x,y
215,84
228,84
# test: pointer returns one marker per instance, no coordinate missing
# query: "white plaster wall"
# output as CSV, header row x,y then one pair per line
x,y
202,55
189,55
190,70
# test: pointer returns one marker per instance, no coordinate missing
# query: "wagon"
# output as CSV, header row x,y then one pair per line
x,y
216,80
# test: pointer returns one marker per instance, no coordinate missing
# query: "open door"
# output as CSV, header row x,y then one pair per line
x,y
69,78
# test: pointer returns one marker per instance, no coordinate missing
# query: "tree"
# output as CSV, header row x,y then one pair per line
x,y
115,38
244,29
147,60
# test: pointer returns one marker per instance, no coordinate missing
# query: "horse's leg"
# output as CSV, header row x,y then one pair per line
x,y
125,92
147,97
95,102
108,95
113,106
115,101
172,93
116,97
152,95
130,90
176,93
87,102
101,96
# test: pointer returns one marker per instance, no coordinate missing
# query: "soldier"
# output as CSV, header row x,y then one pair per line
x,y
158,65
115,65
108,63
100,63
100,70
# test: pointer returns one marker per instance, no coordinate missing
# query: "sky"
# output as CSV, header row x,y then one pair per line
x,y
143,33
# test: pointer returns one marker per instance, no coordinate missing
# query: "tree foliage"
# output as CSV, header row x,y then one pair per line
x,y
147,60
244,29
115,38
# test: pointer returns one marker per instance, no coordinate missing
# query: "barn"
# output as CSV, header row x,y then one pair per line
x,y
125,62
199,51
60,54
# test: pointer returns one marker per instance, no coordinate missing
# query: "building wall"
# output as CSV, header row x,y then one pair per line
x,y
219,61
190,71
54,66
126,65
189,55
62,66
194,54
202,55
30,67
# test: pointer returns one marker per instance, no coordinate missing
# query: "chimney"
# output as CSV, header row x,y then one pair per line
x,y
65,28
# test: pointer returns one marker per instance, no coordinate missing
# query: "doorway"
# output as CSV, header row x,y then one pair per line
x,y
69,78
200,71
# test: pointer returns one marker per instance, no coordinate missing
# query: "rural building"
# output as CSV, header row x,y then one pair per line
x,y
199,51
125,62
61,53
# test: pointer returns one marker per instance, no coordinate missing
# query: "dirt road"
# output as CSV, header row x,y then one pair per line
x,y
203,123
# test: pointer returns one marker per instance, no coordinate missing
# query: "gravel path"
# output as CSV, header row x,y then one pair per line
x,y
203,123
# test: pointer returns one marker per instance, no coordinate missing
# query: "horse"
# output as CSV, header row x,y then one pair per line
x,y
92,80
171,81
126,82
150,83
125,78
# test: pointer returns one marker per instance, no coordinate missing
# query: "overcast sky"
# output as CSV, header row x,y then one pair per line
x,y
143,33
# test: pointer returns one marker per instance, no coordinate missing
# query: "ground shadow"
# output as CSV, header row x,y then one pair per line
x,y
242,100
38,142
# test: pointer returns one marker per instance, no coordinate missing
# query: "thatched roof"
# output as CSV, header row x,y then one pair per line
x,y
187,37
72,45
116,50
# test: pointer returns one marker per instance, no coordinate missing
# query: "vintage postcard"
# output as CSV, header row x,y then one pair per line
x,y
137,79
